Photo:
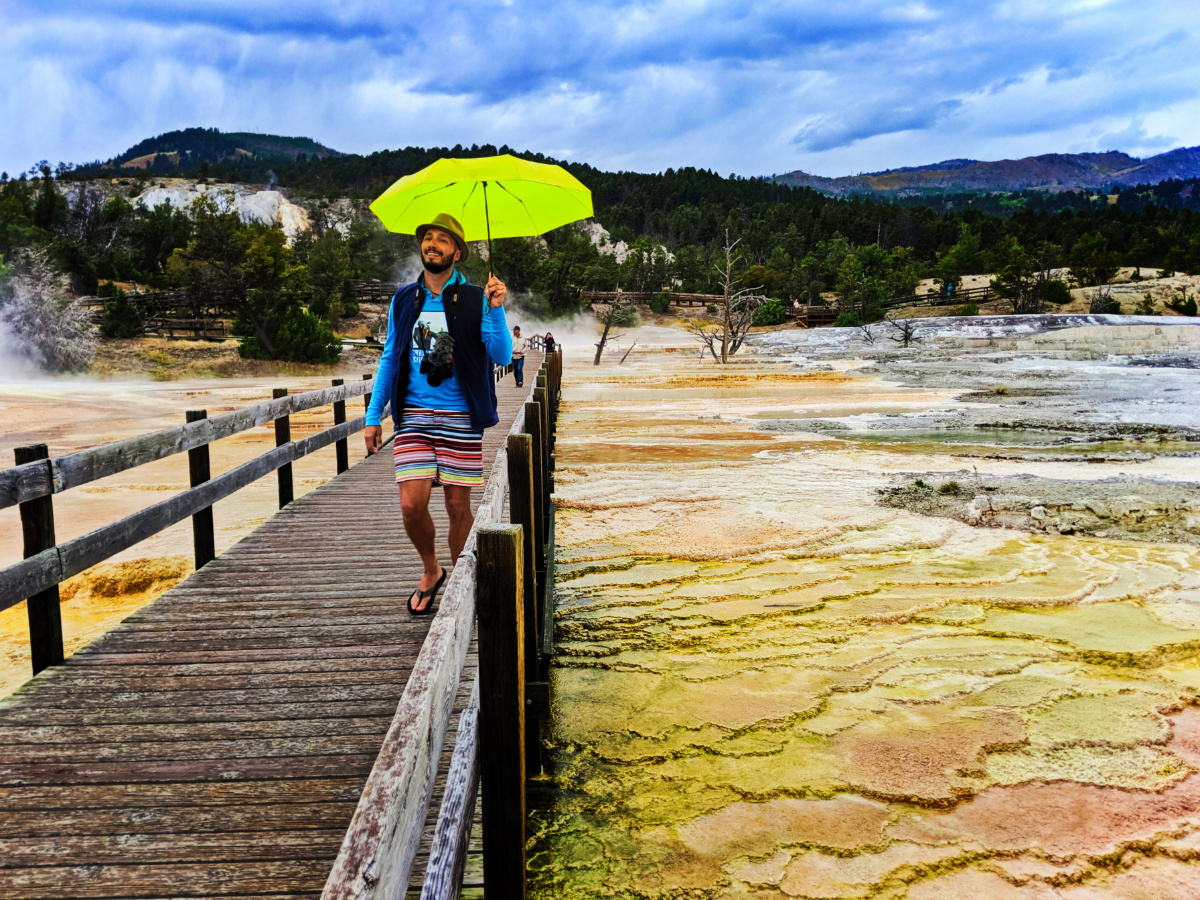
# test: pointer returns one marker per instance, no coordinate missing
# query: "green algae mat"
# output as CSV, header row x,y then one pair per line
x,y
769,686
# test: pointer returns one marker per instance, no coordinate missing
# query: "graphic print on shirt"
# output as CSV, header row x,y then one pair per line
x,y
425,333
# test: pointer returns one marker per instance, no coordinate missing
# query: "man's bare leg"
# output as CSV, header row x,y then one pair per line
x,y
418,525
458,509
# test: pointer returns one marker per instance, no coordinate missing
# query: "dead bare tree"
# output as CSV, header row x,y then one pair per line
x,y
708,335
867,335
905,332
736,312
615,314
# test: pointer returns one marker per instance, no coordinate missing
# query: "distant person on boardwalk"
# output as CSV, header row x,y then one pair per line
x,y
549,348
444,335
518,356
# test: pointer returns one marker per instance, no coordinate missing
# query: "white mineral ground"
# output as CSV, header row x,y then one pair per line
x,y
769,684
76,413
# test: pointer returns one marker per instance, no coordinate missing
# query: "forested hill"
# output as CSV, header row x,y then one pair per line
x,y
643,203
308,167
188,149
794,241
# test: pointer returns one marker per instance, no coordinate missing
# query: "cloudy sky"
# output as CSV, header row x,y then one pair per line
x,y
832,87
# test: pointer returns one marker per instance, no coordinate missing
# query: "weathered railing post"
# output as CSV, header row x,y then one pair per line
x,y
536,429
541,398
367,395
339,416
521,512
283,434
37,526
203,537
499,580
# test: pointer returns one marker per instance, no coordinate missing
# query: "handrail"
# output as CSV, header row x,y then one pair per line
x,y
50,567
53,476
376,856
37,477
381,842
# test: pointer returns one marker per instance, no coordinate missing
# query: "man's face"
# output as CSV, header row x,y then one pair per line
x,y
439,251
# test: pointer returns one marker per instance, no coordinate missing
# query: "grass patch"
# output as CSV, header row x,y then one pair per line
x,y
950,487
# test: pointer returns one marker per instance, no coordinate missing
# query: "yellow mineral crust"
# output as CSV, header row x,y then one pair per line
x,y
768,686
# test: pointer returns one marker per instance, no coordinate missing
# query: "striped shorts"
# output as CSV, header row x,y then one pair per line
x,y
439,446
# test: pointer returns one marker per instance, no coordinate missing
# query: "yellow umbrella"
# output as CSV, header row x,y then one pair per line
x,y
500,196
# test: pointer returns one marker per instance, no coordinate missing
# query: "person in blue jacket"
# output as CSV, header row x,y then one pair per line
x,y
444,336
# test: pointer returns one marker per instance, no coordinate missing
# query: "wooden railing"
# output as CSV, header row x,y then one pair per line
x,y
506,572
32,483
941,298
678,298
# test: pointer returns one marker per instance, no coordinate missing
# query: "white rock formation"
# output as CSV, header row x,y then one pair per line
x,y
603,241
263,207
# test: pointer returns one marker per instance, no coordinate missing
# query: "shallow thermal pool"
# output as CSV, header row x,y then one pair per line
x,y
769,686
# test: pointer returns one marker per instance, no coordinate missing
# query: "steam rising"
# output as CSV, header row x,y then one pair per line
x,y
42,329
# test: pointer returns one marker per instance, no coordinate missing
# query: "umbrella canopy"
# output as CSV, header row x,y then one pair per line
x,y
492,196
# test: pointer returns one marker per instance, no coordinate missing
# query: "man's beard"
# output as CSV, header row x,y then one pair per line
x,y
439,265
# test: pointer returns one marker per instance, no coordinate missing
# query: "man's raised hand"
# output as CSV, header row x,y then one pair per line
x,y
496,292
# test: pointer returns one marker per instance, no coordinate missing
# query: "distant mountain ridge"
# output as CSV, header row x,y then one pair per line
x,y
1049,172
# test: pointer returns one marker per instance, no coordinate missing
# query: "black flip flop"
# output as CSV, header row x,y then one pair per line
x,y
421,595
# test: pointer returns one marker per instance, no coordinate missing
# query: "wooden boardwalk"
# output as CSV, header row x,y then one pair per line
x,y
216,743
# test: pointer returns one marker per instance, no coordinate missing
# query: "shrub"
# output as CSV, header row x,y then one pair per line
x,y
1102,302
660,303
712,309
770,312
1146,306
626,317
969,309
1000,390
873,314
950,487
1184,305
1057,292
121,318
299,337
847,320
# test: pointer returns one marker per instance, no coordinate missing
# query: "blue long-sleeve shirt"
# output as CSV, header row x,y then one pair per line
x,y
449,394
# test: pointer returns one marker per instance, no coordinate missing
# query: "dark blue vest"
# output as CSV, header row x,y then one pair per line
x,y
472,365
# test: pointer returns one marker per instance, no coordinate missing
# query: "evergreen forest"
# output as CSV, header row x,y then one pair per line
x,y
796,243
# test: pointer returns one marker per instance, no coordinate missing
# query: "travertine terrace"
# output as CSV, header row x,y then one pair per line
x,y
776,680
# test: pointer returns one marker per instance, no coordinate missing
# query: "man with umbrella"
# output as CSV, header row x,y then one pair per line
x,y
443,398
444,334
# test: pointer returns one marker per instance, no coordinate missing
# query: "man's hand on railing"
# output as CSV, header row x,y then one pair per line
x,y
373,437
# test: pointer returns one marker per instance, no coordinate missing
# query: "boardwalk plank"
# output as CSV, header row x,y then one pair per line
x,y
90,849
116,715
109,881
175,819
46,737
138,795
233,769
179,751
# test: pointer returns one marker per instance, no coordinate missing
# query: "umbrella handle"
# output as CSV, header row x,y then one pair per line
x,y
488,223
